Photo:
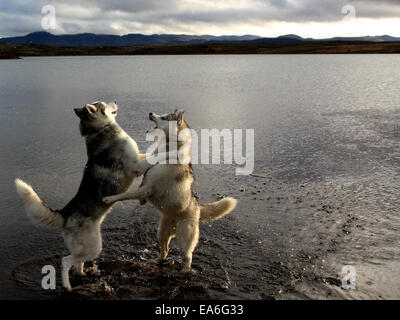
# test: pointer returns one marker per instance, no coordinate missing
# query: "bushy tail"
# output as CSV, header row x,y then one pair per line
x,y
216,210
35,208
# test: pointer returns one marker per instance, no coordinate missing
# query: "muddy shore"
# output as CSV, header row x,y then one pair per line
x,y
249,254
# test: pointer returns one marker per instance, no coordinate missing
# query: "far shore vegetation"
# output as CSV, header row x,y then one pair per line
x,y
15,51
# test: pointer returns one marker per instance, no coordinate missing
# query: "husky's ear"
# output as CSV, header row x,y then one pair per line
x,y
79,112
113,104
91,109
179,117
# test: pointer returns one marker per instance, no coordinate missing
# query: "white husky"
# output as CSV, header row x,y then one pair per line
x,y
169,188
113,162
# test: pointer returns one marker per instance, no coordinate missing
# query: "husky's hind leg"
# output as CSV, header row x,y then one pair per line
x,y
69,261
66,264
187,235
79,269
166,231
85,246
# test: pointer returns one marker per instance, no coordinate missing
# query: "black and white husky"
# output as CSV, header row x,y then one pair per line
x,y
169,188
113,163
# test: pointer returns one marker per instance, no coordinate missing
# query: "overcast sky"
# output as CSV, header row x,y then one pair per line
x,y
307,18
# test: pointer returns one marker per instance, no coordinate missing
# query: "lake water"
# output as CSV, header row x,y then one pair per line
x,y
318,119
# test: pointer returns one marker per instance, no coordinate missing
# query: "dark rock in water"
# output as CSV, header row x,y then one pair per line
x,y
332,281
189,293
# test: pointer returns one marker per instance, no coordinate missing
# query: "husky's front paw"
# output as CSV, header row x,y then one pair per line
x,y
109,200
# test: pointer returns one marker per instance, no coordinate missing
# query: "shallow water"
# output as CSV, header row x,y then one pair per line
x,y
326,146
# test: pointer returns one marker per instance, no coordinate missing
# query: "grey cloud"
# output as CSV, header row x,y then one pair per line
x,y
22,16
137,6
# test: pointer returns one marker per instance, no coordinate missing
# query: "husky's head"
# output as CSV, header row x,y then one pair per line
x,y
162,121
96,115
175,133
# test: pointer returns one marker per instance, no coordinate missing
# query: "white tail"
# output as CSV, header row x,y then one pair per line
x,y
216,210
35,208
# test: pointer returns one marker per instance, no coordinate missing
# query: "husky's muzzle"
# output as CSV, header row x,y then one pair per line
x,y
152,117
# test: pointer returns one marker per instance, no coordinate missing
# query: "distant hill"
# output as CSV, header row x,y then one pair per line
x,y
91,39
94,40
384,38
292,38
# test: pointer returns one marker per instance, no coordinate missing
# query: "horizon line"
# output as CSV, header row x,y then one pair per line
x,y
199,35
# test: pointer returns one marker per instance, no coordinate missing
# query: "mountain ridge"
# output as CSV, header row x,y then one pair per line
x,y
92,39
